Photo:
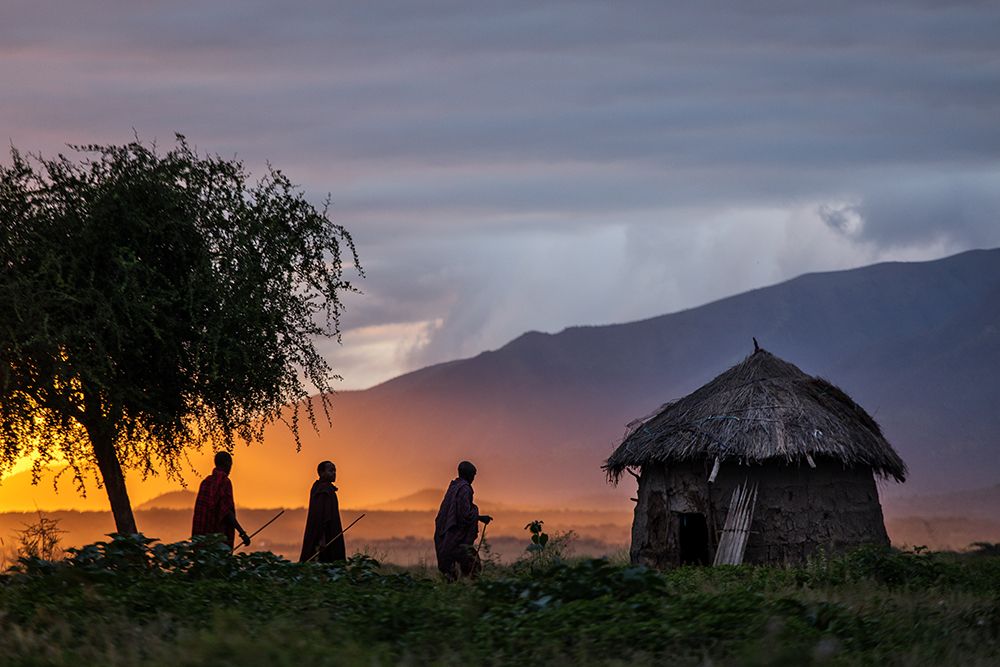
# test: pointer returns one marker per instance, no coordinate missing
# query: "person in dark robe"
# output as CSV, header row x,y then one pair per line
x,y
214,507
457,525
324,531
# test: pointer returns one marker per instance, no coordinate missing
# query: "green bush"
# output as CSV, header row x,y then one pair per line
x,y
131,600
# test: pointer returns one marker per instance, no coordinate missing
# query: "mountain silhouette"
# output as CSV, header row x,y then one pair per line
x,y
916,344
181,499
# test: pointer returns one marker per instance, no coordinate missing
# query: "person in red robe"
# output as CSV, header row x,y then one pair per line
x,y
214,508
324,531
457,525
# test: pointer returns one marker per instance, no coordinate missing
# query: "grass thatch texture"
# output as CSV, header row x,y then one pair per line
x,y
762,408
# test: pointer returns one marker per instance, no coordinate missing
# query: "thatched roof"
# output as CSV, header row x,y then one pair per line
x,y
762,408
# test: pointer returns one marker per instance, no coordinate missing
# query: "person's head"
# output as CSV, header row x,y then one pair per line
x,y
327,471
467,471
224,461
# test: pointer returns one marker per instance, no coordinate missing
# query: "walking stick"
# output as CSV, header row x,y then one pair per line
x,y
310,559
261,528
477,566
481,538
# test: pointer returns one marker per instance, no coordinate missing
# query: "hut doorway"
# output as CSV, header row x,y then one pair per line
x,y
693,538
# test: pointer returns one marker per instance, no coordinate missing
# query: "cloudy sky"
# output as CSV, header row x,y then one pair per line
x,y
510,166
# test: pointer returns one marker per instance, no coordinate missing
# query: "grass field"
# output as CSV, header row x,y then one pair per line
x,y
126,602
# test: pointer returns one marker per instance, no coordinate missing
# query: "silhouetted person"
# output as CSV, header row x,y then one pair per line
x,y
457,525
323,521
214,508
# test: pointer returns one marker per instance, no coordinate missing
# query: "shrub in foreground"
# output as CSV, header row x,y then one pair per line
x,y
193,603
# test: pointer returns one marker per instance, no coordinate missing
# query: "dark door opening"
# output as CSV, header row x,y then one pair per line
x,y
693,539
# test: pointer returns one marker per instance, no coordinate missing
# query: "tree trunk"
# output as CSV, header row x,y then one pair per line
x,y
114,480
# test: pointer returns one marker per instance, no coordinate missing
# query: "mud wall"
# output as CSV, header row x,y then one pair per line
x,y
799,509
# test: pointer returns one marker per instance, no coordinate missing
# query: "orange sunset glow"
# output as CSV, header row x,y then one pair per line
x,y
647,333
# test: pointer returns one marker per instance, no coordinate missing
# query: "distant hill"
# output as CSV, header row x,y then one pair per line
x,y
424,499
916,344
430,499
57,490
181,499
972,504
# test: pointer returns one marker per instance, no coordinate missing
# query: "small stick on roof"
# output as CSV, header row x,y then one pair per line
x,y
756,347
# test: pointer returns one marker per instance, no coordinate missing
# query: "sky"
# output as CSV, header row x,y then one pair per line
x,y
516,166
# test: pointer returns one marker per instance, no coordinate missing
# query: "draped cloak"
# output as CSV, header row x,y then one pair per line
x,y
455,529
212,505
323,524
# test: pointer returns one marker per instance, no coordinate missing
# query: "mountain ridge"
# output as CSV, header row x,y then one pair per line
x,y
917,344
865,329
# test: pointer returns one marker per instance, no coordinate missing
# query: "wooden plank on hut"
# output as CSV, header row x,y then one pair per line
x,y
736,531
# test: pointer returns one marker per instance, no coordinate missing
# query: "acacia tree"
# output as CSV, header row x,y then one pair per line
x,y
151,303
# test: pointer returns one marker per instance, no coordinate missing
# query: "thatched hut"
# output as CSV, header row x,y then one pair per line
x,y
764,464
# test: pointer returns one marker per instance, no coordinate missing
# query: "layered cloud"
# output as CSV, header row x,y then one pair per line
x,y
520,165
960,208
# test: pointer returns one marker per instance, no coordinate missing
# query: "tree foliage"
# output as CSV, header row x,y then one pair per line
x,y
155,302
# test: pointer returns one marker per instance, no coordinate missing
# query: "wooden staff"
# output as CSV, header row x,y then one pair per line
x,y
310,559
238,546
481,538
